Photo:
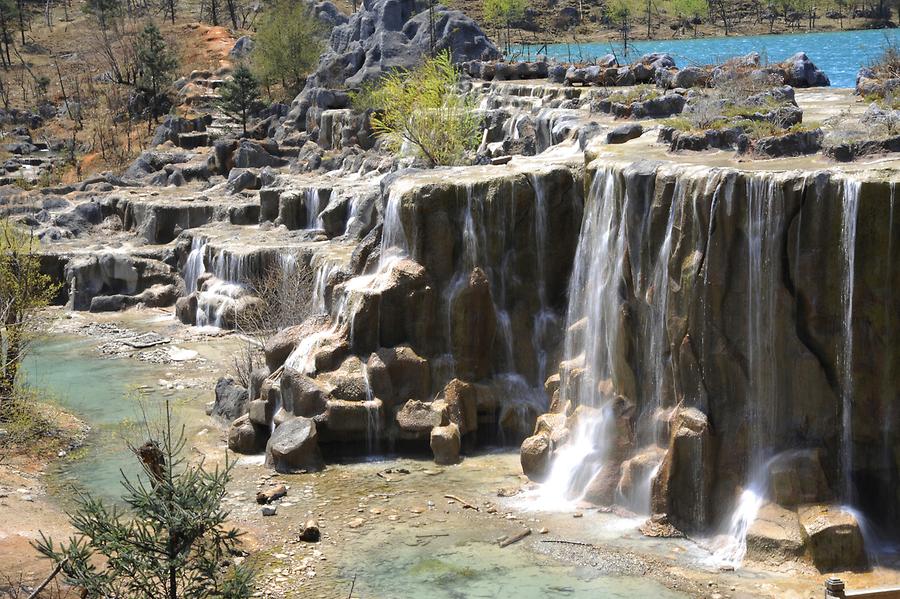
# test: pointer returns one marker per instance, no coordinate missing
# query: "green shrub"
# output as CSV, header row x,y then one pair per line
x,y
423,109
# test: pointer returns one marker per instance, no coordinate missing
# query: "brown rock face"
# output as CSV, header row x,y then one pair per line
x,y
462,405
797,477
834,539
409,373
473,327
301,394
683,486
419,416
245,437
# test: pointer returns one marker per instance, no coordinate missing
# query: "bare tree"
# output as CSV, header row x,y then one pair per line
x,y
286,291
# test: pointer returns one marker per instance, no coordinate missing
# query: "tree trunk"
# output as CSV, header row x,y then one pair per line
x,y
232,12
649,8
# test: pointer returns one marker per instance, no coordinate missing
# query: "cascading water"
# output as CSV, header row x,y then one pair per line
x,y
591,339
545,320
312,205
394,248
220,294
194,265
848,251
763,226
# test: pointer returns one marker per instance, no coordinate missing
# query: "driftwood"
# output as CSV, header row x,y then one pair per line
x,y
271,494
462,502
310,533
515,538
564,542
47,580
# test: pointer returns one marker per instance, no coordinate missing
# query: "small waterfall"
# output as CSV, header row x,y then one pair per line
x,y
373,416
394,245
591,342
312,205
219,295
194,265
545,320
763,226
848,251
394,248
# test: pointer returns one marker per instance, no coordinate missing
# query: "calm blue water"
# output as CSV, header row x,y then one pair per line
x,y
104,393
839,54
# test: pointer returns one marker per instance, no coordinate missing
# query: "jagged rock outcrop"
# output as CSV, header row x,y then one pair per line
x,y
382,35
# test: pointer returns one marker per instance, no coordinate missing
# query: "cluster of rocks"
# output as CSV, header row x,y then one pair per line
x,y
730,125
30,160
646,103
382,35
657,68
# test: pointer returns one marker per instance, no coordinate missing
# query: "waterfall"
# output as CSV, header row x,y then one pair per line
x,y
545,320
591,339
763,225
394,245
848,252
373,415
312,205
394,248
194,265
220,294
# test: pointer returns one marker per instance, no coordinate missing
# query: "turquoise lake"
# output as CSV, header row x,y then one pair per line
x,y
840,54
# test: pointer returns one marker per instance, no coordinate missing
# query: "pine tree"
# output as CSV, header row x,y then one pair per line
x,y
172,544
238,95
155,67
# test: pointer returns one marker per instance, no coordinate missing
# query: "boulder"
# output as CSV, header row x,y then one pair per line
x,y
348,381
251,154
241,48
624,133
801,72
301,395
833,538
445,444
231,400
186,309
535,457
461,405
294,447
419,416
410,374
261,412
690,77
797,477
775,536
353,416
245,437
